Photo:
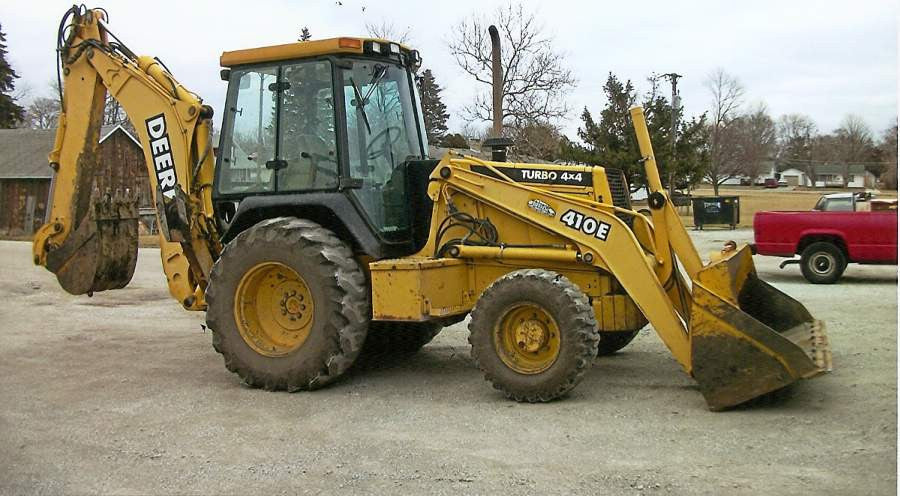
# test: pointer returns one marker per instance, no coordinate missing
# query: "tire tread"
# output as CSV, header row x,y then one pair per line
x,y
347,289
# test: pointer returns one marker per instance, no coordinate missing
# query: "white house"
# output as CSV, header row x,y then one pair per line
x,y
830,176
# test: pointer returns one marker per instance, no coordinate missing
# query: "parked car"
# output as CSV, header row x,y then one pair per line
x,y
826,239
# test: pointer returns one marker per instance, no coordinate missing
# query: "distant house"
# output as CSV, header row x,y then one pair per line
x,y
768,170
25,176
827,176
830,176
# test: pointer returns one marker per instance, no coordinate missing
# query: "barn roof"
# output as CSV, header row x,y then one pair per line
x,y
107,131
23,152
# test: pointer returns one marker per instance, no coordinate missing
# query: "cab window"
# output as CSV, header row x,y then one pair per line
x,y
251,135
280,130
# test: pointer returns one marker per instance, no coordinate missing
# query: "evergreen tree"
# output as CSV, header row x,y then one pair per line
x,y
575,152
434,111
611,142
10,113
688,165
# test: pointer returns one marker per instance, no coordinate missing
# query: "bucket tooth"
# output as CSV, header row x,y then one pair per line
x,y
811,337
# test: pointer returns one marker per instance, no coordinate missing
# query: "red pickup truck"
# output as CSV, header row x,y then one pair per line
x,y
835,233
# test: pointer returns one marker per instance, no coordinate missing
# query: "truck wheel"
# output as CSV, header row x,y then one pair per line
x,y
288,305
611,342
822,263
533,335
399,337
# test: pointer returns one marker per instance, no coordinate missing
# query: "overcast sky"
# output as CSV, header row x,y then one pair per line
x,y
822,58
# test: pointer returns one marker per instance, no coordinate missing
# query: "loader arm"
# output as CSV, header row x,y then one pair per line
x,y
90,239
615,249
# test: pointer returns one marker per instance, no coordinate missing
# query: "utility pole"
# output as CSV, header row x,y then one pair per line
x,y
676,102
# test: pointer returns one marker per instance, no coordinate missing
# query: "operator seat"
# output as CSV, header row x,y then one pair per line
x,y
312,164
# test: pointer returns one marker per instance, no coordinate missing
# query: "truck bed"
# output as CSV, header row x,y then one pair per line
x,y
868,237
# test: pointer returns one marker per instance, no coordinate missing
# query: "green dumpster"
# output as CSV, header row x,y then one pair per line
x,y
716,210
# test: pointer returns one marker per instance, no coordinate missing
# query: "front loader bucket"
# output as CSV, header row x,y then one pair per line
x,y
101,252
748,338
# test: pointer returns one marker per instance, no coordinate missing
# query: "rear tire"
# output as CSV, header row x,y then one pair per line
x,y
611,342
271,356
399,337
533,335
822,263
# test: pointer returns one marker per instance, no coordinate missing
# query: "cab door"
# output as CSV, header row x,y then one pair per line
x,y
279,131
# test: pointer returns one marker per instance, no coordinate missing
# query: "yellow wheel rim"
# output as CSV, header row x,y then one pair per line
x,y
273,309
527,339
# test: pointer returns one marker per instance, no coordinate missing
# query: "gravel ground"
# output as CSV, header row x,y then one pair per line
x,y
123,393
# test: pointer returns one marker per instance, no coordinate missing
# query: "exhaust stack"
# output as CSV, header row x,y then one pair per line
x,y
496,70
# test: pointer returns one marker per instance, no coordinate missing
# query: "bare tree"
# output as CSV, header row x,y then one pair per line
x,y
472,130
22,92
20,95
756,135
386,30
724,136
537,140
535,78
797,144
42,113
853,144
112,112
55,91
888,148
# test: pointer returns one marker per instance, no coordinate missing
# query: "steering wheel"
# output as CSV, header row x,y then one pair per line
x,y
385,139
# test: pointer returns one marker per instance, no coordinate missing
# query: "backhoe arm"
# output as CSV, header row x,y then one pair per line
x,y
90,241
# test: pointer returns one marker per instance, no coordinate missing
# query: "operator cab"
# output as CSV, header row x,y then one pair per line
x,y
843,202
310,120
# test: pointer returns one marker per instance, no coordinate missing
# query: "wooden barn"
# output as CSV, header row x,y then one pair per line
x,y
25,176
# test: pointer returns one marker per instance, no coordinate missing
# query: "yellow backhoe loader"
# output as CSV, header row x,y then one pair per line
x,y
321,223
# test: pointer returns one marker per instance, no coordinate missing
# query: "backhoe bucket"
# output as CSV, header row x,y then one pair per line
x,y
101,252
748,338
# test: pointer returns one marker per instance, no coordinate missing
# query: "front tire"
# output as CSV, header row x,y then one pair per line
x,y
822,263
288,305
533,335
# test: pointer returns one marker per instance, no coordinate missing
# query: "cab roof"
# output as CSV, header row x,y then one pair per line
x,y
298,50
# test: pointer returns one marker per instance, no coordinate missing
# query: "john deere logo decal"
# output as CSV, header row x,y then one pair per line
x,y
541,208
161,151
